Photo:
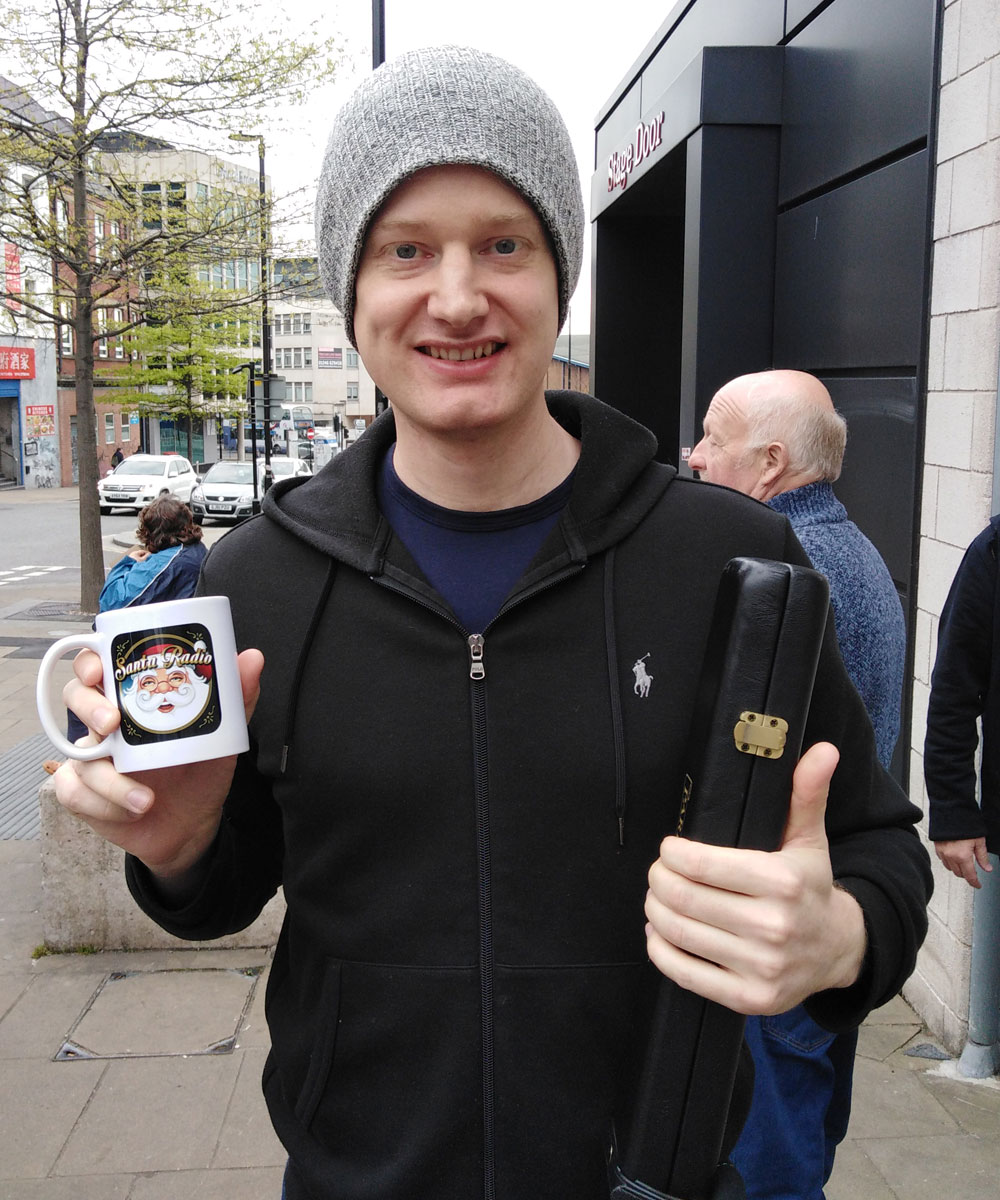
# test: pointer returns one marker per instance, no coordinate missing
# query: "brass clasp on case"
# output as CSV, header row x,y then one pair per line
x,y
758,733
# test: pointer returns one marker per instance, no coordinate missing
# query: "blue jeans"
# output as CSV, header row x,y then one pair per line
x,y
801,1106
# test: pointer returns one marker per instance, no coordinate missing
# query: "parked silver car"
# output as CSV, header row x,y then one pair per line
x,y
226,492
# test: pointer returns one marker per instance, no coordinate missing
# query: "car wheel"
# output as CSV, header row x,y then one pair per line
x,y
197,518
105,510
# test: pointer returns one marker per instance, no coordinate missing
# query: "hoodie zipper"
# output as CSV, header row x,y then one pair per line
x,y
476,646
480,763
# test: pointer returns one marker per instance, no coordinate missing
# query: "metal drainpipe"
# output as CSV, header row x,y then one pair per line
x,y
981,1056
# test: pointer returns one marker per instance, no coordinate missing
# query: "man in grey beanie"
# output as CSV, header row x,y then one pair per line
x,y
465,852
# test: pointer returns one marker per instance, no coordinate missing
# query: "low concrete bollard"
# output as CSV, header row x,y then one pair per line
x,y
85,901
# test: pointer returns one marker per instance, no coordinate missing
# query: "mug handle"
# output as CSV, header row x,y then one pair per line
x,y
52,727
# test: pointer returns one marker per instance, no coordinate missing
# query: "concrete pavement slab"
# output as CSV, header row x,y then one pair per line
x,y
928,1168
20,934
905,1106
878,1042
855,1177
42,1105
36,1026
248,1138
973,1103
150,1114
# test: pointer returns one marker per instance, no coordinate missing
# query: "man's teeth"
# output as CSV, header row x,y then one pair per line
x,y
455,355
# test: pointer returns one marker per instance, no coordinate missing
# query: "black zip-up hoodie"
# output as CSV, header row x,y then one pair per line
x,y
463,820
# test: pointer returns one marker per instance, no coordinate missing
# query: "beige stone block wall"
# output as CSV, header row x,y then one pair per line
x,y
85,901
959,437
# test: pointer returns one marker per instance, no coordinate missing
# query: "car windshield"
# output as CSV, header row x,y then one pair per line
x,y
230,473
282,466
140,466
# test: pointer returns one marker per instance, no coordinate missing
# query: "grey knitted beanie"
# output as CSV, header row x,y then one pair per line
x,y
435,107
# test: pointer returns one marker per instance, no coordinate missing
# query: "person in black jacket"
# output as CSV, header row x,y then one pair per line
x,y
965,686
465,798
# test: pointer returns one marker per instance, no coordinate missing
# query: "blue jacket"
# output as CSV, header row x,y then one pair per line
x,y
170,574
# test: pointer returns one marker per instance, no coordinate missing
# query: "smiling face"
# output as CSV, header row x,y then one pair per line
x,y
165,699
457,304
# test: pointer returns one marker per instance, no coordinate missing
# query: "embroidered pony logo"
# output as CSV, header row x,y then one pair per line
x,y
642,678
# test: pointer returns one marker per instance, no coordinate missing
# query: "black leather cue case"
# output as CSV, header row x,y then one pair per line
x,y
745,740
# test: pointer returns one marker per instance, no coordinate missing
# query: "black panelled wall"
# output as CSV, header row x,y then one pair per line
x,y
771,208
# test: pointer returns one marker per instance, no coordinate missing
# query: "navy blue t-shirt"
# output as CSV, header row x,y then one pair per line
x,y
472,559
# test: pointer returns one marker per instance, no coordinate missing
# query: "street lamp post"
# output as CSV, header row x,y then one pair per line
x,y
265,330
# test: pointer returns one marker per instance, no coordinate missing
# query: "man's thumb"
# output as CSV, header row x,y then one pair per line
x,y
810,785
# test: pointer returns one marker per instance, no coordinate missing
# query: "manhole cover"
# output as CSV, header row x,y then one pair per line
x,y
148,1014
50,610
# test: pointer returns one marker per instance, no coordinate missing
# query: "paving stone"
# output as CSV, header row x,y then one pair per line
x,y
262,1183
151,1114
895,1012
929,1168
20,934
974,1105
37,1025
879,1041
905,1107
12,986
248,1138
855,1176
22,885
43,1101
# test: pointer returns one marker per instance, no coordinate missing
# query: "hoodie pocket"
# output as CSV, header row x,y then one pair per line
x,y
382,1069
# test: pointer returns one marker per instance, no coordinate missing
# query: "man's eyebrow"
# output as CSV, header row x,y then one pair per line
x,y
403,225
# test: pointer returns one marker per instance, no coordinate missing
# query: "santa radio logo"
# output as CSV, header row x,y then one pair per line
x,y
166,684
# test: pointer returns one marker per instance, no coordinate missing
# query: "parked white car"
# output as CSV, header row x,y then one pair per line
x,y
226,492
139,479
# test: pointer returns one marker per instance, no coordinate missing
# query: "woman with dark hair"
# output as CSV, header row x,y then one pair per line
x,y
165,563
163,566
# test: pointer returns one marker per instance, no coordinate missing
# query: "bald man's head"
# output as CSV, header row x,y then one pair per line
x,y
770,432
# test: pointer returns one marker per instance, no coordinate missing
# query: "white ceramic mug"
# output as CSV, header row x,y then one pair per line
x,y
171,670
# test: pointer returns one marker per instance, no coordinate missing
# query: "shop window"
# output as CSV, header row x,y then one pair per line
x,y
66,329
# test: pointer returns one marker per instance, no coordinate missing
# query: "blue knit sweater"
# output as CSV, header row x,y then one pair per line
x,y
866,608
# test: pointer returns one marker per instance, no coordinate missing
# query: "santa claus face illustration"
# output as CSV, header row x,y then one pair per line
x,y
165,691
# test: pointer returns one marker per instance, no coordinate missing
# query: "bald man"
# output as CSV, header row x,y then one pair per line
x,y
776,436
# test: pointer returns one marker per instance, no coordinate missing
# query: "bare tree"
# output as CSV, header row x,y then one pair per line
x,y
95,85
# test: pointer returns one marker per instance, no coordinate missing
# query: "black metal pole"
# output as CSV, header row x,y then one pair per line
x,y
252,401
378,33
265,332
378,58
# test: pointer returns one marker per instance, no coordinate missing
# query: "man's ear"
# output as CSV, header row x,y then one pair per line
x,y
774,464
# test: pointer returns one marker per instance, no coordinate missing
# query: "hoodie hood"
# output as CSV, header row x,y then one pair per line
x,y
617,482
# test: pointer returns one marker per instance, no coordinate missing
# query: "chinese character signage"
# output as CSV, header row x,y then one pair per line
x,y
16,363
12,275
330,358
